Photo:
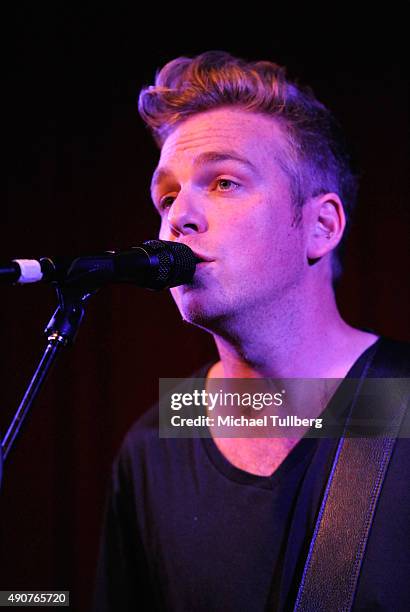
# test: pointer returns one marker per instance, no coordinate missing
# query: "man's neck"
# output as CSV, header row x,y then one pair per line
x,y
321,346
300,344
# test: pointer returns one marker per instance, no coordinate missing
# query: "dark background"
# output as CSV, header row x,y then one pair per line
x,y
79,162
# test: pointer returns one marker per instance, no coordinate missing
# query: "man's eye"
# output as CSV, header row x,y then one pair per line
x,y
226,184
166,202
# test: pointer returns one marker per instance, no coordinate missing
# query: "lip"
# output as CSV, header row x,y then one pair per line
x,y
202,258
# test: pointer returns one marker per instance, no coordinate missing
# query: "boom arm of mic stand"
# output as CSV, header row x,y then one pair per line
x,y
61,332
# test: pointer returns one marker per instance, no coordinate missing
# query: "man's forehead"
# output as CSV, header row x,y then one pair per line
x,y
205,158
224,125
222,135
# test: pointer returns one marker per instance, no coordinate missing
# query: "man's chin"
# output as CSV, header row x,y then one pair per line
x,y
201,307
200,317
199,313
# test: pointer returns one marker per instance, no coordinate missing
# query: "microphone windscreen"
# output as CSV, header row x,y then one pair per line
x,y
176,263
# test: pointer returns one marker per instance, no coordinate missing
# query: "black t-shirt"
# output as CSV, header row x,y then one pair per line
x,y
185,530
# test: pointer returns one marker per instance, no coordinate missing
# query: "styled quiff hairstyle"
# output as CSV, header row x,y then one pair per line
x,y
316,160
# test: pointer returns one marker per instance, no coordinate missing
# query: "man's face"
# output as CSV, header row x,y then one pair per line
x,y
220,190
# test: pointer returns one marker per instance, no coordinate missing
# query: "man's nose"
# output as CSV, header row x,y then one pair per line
x,y
186,215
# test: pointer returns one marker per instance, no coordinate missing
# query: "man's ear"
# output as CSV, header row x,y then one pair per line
x,y
326,224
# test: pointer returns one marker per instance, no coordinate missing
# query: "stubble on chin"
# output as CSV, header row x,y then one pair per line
x,y
199,310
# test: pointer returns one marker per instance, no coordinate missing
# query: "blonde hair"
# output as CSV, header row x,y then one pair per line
x,y
316,160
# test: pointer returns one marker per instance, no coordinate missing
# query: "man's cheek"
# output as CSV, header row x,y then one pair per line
x,y
164,233
174,293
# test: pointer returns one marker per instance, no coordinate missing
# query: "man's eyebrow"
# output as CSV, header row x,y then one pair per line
x,y
220,156
203,159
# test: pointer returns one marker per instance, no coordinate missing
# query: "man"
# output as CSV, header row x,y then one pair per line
x,y
254,178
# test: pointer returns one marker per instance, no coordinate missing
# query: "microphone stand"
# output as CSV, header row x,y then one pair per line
x,y
61,332
172,263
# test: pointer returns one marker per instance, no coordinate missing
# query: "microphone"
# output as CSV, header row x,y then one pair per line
x,y
156,264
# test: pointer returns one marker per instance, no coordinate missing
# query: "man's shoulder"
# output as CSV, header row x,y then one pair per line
x,y
143,430
147,424
391,359
142,438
